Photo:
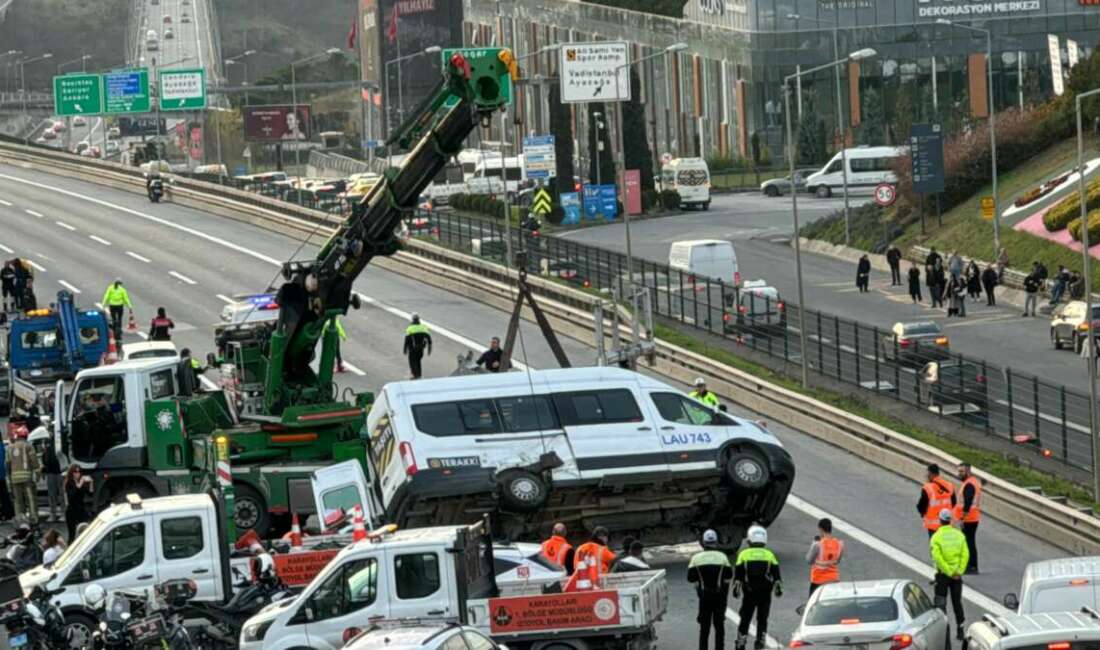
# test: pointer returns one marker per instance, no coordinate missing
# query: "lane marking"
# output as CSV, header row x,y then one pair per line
x,y
770,642
36,265
5,203
68,286
224,298
99,305
99,239
138,257
208,383
143,335
348,366
180,276
65,225
33,213
6,249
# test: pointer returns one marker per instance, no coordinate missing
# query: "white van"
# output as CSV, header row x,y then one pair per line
x,y
867,167
152,40
1058,585
489,167
1073,630
706,258
691,178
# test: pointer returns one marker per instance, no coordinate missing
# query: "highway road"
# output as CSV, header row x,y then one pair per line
x,y
81,236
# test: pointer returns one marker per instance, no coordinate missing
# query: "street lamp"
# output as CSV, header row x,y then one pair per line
x,y
7,74
294,100
239,59
23,79
992,129
1088,295
841,130
859,55
621,166
431,49
81,60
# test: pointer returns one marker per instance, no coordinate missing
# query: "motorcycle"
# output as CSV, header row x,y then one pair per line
x,y
23,551
36,623
130,621
155,188
224,622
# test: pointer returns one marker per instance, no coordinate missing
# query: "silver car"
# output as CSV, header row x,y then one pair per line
x,y
892,614
780,186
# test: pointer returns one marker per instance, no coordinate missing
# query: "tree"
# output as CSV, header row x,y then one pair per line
x,y
561,127
872,131
636,150
607,164
811,133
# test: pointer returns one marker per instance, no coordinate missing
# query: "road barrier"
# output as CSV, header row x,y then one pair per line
x,y
570,310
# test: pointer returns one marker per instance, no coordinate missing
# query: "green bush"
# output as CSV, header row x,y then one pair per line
x,y
1069,208
1094,228
670,199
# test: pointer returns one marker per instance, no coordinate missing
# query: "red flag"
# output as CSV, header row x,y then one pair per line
x,y
391,31
353,32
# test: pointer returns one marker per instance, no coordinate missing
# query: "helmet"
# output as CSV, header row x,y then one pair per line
x,y
263,566
710,537
699,381
945,515
758,535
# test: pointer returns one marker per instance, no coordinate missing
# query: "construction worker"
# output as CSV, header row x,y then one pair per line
x,y
711,573
596,550
968,510
557,549
160,328
935,495
703,395
115,300
950,556
22,467
340,336
824,556
417,340
756,572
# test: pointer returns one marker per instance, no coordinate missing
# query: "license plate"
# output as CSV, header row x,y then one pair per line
x,y
18,641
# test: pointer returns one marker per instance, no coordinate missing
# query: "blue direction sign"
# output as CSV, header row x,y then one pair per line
x,y
127,91
926,151
600,200
539,157
571,204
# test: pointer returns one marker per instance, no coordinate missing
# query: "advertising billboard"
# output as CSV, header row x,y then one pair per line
x,y
276,123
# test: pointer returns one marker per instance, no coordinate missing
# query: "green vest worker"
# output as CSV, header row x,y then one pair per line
x,y
115,300
757,573
703,395
417,340
951,556
711,572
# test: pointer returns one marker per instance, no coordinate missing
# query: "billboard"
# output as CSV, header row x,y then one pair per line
x,y
276,123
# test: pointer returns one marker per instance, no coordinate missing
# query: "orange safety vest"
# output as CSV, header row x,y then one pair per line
x,y
974,515
824,568
939,494
556,549
592,552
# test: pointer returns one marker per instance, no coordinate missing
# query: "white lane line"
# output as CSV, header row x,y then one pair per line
x,y
36,265
144,335
65,225
180,276
33,213
208,383
224,298
349,367
138,257
919,567
5,203
68,286
770,642
99,239
6,249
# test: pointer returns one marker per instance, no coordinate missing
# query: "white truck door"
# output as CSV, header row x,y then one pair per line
x,y
610,433
342,487
687,430
123,558
352,597
419,590
183,549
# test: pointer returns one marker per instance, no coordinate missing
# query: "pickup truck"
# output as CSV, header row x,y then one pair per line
x,y
446,573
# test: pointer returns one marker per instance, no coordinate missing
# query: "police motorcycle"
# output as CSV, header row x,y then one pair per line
x,y
33,623
131,621
22,550
154,187
222,630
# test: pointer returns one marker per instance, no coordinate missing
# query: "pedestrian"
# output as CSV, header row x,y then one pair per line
x,y
914,284
968,511
52,547
160,328
930,282
893,258
973,280
935,495
51,467
557,548
7,510
7,286
989,283
863,273
1061,281
939,278
30,301
190,372
22,276
710,571
1002,264
492,357
77,486
955,265
1076,286
634,560
756,572
950,556
703,395
595,550
341,335
824,556
931,260
418,339
952,297
22,469
959,296
115,300
1041,269
1031,291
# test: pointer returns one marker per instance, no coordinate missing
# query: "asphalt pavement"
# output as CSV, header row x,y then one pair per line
x,y
81,236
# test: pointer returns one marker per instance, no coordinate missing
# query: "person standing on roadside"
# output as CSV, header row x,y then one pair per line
x,y
756,572
1032,283
939,279
7,286
77,486
968,511
973,280
22,468
931,260
936,495
989,283
863,274
703,395
914,284
22,278
418,340
160,328
893,258
1002,264
824,556
51,468
710,571
950,557
955,265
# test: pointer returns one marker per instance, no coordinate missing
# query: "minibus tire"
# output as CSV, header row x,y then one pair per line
x,y
823,192
522,491
747,470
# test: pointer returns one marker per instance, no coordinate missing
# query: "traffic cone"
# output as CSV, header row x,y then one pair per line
x,y
132,325
580,580
112,349
358,531
295,532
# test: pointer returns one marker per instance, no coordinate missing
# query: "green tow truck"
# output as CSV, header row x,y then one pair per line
x,y
143,427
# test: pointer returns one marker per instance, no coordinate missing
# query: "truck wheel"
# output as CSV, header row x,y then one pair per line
x,y
747,470
78,628
522,491
250,510
823,192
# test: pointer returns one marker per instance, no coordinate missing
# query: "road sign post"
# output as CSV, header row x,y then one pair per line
x,y
182,90
77,94
127,91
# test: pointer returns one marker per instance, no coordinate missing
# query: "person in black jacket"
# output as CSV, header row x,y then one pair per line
x,y
160,328
893,258
491,358
914,284
989,282
77,487
51,468
863,274
1032,284
710,571
7,285
632,561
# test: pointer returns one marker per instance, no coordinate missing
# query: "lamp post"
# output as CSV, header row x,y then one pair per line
x,y
841,130
23,80
621,161
992,128
854,56
294,101
239,59
7,73
81,60
1086,268
431,49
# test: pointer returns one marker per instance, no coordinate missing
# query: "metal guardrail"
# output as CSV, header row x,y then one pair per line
x,y
343,164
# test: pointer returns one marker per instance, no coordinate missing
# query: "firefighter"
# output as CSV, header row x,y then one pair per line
x,y
756,573
23,466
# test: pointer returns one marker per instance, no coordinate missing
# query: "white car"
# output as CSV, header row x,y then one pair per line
x,y
80,120
150,350
446,636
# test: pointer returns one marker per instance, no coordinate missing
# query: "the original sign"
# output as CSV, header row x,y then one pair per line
x,y
926,156
299,569
594,72
949,9
538,156
553,611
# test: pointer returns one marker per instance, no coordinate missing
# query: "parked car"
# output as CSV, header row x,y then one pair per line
x,y
1060,585
1055,631
1067,323
915,344
780,186
410,635
893,613
757,309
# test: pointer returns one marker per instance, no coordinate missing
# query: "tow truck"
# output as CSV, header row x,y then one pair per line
x,y
139,426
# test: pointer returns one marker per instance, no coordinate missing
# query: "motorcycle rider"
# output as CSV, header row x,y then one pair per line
x,y
154,186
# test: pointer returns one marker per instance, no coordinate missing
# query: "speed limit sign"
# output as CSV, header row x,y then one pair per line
x,y
885,195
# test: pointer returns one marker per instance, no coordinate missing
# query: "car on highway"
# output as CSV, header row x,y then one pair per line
x,y
49,134
523,561
114,133
756,309
112,147
59,126
780,186
421,635
1068,324
954,387
167,20
1076,630
1058,585
168,34
185,18
915,343
150,350
80,120
878,614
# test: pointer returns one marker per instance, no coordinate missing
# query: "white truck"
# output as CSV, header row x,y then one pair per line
x,y
446,573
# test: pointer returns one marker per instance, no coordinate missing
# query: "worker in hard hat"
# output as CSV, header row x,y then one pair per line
x,y
711,573
756,574
703,395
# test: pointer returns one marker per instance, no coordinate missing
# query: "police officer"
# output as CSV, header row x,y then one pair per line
x,y
115,300
703,395
418,339
756,572
968,511
711,572
936,494
950,555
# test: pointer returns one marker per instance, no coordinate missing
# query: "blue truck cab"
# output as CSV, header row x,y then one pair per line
x,y
45,345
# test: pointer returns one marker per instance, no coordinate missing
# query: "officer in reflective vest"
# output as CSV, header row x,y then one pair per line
x,y
703,395
968,510
558,550
711,573
756,572
595,551
418,340
824,556
935,495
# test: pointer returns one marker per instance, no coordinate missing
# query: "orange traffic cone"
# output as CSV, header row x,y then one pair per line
x,y
359,530
112,349
132,325
295,532
580,580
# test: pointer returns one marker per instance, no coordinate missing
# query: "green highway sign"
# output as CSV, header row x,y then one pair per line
x,y
77,94
127,91
182,90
